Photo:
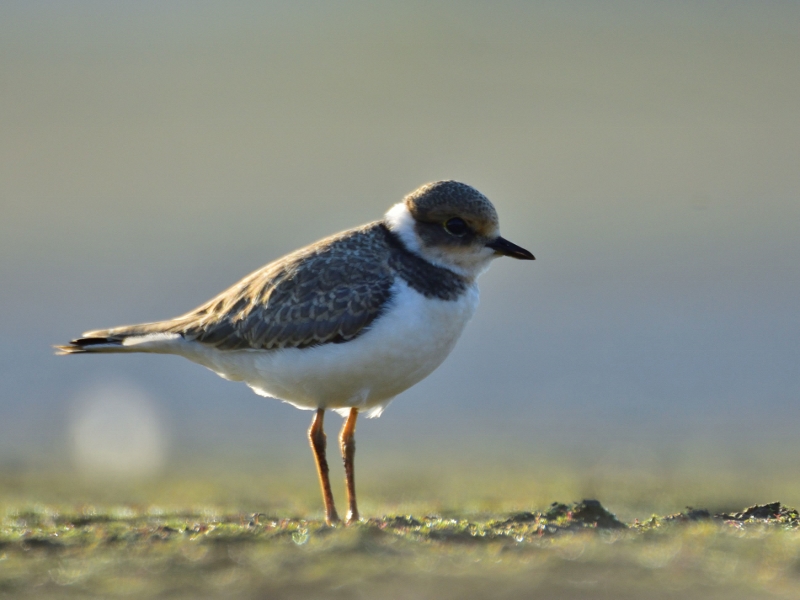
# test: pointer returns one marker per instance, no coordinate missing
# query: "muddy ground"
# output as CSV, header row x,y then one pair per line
x,y
573,550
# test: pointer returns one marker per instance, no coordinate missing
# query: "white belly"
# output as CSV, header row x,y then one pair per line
x,y
402,347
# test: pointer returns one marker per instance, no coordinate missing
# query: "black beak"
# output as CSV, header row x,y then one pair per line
x,y
506,248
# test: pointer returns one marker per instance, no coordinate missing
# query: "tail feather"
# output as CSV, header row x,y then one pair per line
x,y
131,338
93,343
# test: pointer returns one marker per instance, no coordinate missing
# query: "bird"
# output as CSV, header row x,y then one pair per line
x,y
346,323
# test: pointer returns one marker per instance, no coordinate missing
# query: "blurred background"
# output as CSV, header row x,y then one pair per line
x,y
647,153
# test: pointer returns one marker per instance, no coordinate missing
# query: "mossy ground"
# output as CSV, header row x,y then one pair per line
x,y
570,550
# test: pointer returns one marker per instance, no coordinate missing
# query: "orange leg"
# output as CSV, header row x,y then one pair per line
x,y
316,436
347,442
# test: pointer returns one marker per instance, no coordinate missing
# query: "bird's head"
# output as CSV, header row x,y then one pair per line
x,y
452,225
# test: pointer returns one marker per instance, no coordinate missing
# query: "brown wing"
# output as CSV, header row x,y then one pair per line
x,y
327,293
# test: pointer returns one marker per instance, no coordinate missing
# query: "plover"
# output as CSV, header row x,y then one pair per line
x,y
346,323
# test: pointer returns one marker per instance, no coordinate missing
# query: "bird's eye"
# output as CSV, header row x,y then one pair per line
x,y
456,227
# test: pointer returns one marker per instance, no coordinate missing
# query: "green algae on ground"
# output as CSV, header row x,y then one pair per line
x,y
124,551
